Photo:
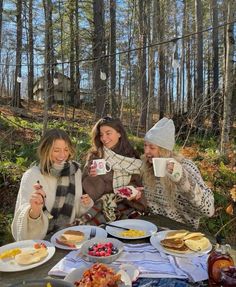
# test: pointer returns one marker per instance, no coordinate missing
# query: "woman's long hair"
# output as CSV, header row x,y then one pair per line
x,y
123,147
45,148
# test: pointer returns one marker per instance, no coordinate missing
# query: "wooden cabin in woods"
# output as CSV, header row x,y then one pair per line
x,y
61,89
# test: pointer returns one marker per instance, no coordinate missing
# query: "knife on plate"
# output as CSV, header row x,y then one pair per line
x,y
120,227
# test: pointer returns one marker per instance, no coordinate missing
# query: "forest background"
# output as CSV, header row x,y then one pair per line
x,y
138,60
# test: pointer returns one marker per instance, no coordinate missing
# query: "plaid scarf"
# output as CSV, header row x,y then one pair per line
x,y
123,167
65,195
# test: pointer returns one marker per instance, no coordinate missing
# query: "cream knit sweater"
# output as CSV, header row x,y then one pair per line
x,y
23,227
190,201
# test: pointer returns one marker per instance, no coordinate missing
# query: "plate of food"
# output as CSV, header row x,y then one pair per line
x,y
104,275
181,243
73,237
128,191
24,255
133,229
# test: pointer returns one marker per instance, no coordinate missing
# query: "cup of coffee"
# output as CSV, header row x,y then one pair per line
x,y
102,167
159,166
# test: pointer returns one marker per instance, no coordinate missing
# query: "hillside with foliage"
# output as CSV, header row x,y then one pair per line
x,y
20,131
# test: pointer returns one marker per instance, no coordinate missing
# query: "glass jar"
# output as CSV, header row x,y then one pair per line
x,y
219,258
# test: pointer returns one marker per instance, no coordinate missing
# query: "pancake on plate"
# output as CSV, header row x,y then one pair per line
x,y
176,234
70,238
176,245
31,256
196,235
183,241
197,245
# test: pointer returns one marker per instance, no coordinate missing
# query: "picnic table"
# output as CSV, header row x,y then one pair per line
x,y
8,278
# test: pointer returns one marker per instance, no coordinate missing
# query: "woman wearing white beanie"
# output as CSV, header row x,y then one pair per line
x,y
181,195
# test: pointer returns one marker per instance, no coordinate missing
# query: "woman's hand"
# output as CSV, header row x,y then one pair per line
x,y
92,170
170,167
37,201
174,170
86,200
139,193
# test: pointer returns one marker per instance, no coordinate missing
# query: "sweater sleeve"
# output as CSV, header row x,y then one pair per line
x,y
23,227
80,209
193,189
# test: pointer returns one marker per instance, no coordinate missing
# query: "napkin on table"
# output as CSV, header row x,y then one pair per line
x,y
150,262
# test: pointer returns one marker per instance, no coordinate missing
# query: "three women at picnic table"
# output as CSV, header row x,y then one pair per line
x,y
50,195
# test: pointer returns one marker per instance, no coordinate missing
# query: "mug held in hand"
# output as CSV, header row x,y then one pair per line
x,y
101,166
160,168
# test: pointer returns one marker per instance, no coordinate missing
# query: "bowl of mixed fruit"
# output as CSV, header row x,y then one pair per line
x,y
103,250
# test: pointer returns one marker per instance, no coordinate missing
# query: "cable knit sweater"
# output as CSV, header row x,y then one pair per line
x,y
190,200
24,227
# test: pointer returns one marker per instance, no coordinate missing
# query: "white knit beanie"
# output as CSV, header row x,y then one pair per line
x,y
162,134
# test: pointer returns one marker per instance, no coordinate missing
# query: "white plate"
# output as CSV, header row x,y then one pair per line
x,y
133,190
9,265
155,241
100,232
137,224
126,274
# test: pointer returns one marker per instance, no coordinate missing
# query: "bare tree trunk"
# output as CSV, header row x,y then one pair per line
x,y
48,61
64,97
72,54
151,65
49,96
99,64
31,53
215,68
199,68
142,59
77,53
17,84
114,107
229,81
51,55
188,56
161,62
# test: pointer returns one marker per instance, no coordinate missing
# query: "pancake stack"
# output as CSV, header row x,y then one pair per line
x,y
183,241
70,238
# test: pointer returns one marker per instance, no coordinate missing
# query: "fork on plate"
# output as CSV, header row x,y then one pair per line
x,y
92,233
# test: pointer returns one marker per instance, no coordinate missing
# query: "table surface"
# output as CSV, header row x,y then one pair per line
x,y
8,278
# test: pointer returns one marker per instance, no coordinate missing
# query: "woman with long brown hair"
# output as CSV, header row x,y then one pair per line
x,y
110,142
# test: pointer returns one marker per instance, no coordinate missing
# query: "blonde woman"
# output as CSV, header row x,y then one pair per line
x,y
50,195
181,194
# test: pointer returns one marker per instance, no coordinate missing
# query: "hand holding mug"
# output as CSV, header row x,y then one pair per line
x,y
160,166
167,166
170,166
101,166
92,170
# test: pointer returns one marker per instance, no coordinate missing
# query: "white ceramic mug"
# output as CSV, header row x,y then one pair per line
x,y
159,166
101,165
